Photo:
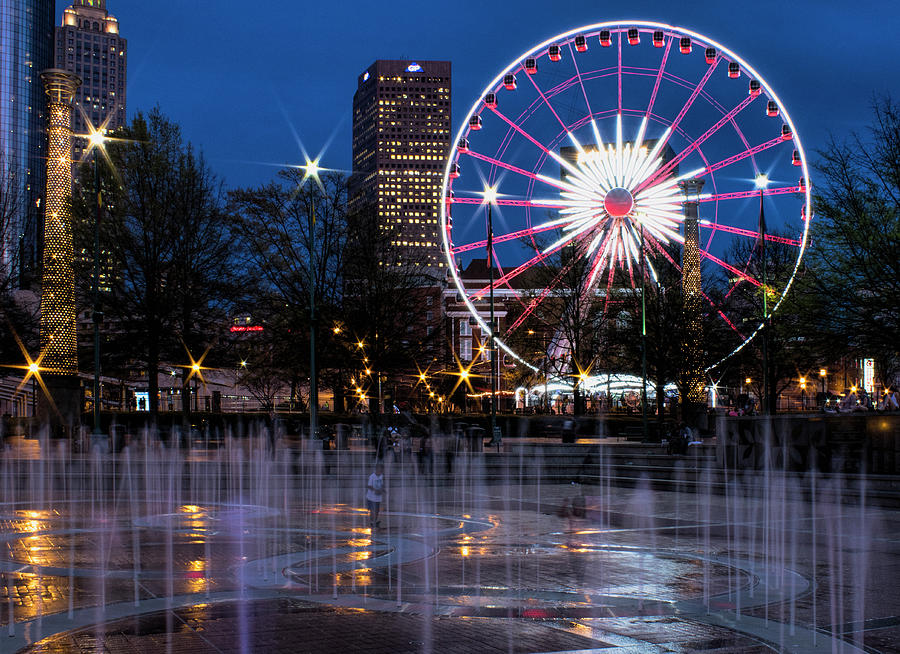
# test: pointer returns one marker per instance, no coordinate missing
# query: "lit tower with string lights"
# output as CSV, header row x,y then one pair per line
x,y
58,342
692,346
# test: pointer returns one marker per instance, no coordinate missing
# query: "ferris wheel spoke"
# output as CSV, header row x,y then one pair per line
x,y
727,266
706,297
749,232
521,171
508,202
694,95
535,302
666,169
619,72
509,121
503,238
738,195
659,76
547,102
750,152
515,272
562,162
609,281
580,81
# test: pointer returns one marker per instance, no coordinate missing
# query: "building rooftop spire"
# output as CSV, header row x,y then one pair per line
x,y
96,4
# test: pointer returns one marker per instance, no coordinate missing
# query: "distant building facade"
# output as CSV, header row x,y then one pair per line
x,y
26,49
89,45
401,138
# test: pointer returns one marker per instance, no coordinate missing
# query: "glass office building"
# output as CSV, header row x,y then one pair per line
x,y
26,49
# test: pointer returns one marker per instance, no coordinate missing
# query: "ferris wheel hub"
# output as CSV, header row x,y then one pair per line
x,y
618,202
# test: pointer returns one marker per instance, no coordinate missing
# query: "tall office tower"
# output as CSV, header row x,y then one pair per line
x,y
88,44
58,279
26,48
401,137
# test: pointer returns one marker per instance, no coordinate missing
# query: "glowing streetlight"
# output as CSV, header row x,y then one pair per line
x,y
490,198
196,367
97,139
762,181
311,170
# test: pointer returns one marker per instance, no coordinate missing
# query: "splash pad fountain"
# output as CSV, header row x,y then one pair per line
x,y
250,545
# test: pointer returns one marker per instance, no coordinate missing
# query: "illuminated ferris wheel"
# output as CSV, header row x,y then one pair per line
x,y
586,141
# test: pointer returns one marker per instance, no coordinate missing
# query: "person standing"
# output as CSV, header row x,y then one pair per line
x,y
375,494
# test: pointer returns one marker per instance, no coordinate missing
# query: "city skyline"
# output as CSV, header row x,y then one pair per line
x,y
815,56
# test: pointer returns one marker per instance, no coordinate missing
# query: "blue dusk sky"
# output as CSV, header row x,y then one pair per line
x,y
246,79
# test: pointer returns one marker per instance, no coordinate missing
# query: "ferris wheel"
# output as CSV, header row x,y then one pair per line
x,y
586,141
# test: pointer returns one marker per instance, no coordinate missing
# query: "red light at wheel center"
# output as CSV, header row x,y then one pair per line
x,y
618,202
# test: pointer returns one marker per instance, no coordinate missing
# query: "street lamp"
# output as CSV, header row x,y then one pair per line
x,y
490,198
97,143
762,181
311,170
643,341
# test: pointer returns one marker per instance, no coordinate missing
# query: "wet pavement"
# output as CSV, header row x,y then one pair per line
x,y
141,562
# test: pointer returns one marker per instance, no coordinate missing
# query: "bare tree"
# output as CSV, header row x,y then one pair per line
x,y
275,223
784,336
855,247
383,292
165,238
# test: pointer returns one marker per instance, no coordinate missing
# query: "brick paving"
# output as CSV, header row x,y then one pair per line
x,y
295,627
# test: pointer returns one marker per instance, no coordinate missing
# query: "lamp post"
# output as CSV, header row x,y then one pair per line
x,y
311,169
97,139
643,342
762,181
490,196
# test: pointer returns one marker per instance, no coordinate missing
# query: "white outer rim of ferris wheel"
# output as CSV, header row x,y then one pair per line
x,y
621,24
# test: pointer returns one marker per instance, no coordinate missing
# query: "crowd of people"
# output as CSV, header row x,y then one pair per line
x,y
860,400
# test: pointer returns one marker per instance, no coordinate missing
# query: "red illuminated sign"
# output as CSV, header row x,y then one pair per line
x,y
246,328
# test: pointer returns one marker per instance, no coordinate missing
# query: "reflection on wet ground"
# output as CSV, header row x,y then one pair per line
x,y
449,569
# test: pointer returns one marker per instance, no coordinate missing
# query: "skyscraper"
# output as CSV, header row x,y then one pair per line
x,y
26,48
88,44
401,137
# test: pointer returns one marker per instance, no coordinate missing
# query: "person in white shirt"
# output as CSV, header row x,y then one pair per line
x,y
375,494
